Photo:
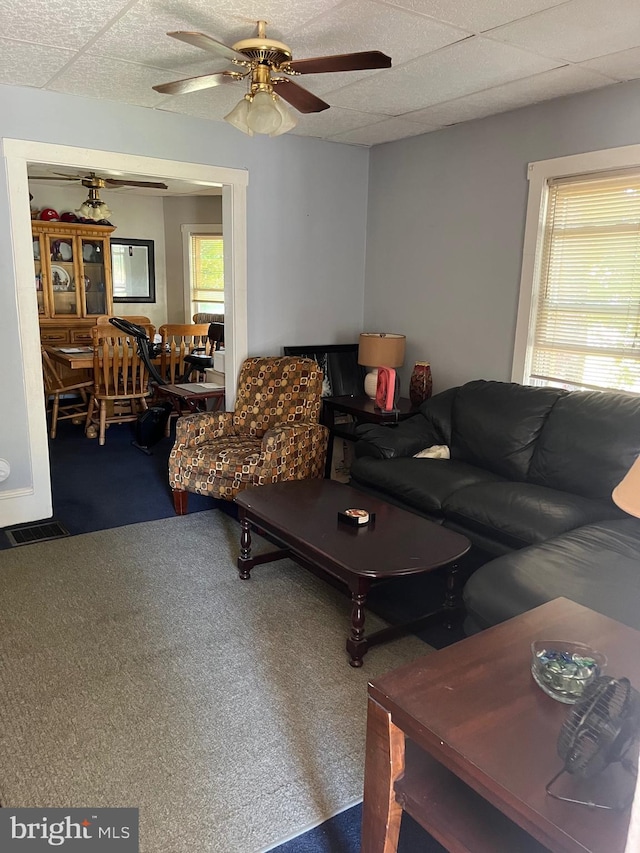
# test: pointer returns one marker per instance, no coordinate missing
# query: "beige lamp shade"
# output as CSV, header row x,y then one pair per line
x,y
381,349
627,493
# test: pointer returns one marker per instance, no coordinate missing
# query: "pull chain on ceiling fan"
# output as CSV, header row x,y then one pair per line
x,y
263,59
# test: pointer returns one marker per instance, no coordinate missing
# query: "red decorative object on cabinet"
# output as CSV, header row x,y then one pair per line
x,y
421,385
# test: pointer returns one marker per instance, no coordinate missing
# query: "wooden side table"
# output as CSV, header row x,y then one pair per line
x,y
465,742
362,410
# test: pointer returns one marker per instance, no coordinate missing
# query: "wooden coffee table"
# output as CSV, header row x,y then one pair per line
x,y
465,742
302,517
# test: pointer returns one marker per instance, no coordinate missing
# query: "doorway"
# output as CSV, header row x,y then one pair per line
x,y
35,502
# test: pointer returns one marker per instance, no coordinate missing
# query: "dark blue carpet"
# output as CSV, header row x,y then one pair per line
x,y
96,488
341,834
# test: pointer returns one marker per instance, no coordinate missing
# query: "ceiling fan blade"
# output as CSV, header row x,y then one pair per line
x,y
340,62
303,100
195,84
50,178
207,43
114,182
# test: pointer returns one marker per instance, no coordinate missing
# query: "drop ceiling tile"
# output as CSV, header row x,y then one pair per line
x,y
541,87
69,25
440,77
365,25
579,30
24,64
336,120
211,104
624,65
477,15
101,77
141,34
384,131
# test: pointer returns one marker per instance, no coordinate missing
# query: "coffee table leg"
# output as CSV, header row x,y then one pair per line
x,y
357,644
384,763
453,595
245,563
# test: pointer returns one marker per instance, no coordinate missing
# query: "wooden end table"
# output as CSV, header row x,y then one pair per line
x,y
302,517
464,741
363,410
192,395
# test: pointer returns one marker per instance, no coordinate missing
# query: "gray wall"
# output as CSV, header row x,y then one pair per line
x,y
179,211
306,225
446,225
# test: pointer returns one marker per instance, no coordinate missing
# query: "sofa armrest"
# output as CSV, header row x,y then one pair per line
x,y
202,427
292,452
389,442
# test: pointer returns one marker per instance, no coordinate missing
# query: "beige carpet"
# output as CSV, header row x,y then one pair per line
x,y
136,669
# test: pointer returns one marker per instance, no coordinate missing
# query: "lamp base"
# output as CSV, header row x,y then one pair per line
x,y
371,383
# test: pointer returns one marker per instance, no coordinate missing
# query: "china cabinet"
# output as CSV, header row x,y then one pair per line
x,y
72,278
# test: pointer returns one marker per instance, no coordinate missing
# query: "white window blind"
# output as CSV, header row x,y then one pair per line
x,y
586,326
207,269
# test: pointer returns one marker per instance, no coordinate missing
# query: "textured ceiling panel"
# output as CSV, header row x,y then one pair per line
x,y
477,15
550,84
69,24
110,79
333,121
385,131
443,71
441,76
622,66
579,30
25,64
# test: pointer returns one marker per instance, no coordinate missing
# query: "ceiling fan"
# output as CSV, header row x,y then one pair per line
x,y
263,60
94,209
93,182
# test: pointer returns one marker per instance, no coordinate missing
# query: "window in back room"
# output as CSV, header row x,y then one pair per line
x,y
583,314
206,273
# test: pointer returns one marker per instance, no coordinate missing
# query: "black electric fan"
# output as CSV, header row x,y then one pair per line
x,y
599,731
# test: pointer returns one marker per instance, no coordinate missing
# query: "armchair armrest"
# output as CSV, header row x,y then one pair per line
x,y
201,427
292,452
389,442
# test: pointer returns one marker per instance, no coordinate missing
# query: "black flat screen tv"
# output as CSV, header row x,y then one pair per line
x,y
342,374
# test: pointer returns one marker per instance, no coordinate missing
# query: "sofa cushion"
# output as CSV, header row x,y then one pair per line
x,y
496,425
588,443
596,565
521,514
422,484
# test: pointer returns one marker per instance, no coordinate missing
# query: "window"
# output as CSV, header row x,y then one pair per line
x,y
583,313
207,273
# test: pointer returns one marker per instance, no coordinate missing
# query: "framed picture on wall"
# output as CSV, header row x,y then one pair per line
x,y
133,270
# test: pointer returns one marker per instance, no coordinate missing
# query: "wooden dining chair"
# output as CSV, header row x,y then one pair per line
x,y
177,341
138,319
120,381
75,402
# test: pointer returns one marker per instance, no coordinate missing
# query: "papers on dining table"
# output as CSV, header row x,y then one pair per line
x,y
74,350
198,387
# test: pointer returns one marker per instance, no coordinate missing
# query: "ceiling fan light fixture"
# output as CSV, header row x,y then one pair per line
x,y
263,114
239,114
289,121
94,208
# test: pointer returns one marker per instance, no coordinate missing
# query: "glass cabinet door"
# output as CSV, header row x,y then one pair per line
x,y
93,265
63,276
37,263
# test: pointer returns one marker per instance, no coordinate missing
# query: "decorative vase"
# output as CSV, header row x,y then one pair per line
x,y
421,384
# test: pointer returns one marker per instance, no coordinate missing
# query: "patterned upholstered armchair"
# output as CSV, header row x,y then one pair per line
x,y
272,435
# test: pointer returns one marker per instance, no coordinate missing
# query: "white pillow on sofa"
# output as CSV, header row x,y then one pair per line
x,y
436,451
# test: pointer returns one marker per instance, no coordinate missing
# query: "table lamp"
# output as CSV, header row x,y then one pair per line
x,y
626,494
380,349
